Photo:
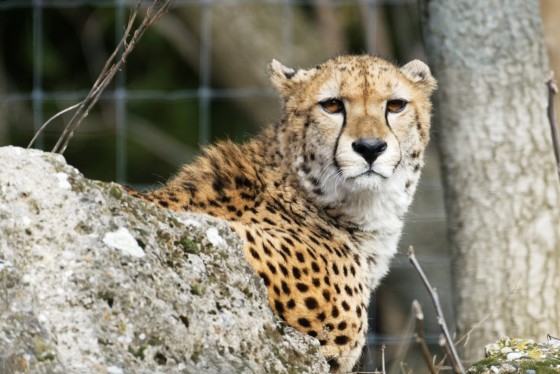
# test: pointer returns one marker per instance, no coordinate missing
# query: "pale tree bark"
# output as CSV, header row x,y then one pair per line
x,y
550,10
502,189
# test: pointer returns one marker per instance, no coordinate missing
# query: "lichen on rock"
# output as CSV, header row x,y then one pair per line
x,y
92,280
513,355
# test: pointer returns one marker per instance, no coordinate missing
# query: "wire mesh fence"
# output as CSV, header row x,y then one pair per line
x,y
198,76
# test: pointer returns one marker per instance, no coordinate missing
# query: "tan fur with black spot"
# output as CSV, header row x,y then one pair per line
x,y
319,197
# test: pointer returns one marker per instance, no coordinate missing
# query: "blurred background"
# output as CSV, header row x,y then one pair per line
x,y
197,76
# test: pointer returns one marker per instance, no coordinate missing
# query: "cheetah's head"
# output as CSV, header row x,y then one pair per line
x,y
351,123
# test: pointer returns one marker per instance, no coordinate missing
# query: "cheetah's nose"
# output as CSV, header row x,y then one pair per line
x,y
369,149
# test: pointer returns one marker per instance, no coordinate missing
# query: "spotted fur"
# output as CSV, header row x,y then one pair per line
x,y
320,222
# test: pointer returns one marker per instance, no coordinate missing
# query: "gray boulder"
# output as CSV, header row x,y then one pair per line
x,y
94,281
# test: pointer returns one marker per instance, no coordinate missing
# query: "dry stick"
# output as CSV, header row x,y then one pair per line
x,y
553,90
455,361
467,335
105,77
383,359
443,342
94,89
108,71
421,335
94,96
449,350
49,121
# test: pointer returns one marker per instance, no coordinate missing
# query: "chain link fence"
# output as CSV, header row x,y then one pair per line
x,y
198,76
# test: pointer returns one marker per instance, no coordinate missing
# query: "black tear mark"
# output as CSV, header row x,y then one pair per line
x,y
335,161
398,140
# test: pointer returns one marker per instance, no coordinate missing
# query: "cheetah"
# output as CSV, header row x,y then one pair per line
x,y
319,197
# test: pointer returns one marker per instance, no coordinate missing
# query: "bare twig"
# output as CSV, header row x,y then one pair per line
x,y
454,357
383,359
444,343
404,369
97,88
421,335
499,305
467,335
112,66
49,121
448,353
404,345
552,91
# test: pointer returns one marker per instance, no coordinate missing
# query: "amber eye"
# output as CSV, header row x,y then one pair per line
x,y
332,106
396,106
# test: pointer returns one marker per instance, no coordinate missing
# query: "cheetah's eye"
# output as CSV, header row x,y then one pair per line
x,y
332,106
396,106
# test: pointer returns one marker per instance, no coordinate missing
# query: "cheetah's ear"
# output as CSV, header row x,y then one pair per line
x,y
419,73
285,79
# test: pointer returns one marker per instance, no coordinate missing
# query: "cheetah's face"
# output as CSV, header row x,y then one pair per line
x,y
352,120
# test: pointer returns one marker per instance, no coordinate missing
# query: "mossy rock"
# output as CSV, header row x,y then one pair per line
x,y
513,355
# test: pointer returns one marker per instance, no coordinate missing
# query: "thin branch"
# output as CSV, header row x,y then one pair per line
x,y
96,88
421,335
467,335
49,121
104,79
383,359
552,91
454,357
444,343
112,66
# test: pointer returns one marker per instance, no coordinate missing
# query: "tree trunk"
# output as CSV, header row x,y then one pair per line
x,y
502,189
550,10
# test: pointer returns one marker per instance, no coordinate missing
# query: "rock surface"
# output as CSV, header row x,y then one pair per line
x,y
94,281
520,356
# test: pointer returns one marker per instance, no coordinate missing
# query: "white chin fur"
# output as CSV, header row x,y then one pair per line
x,y
380,171
384,170
351,181
369,182
364,175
